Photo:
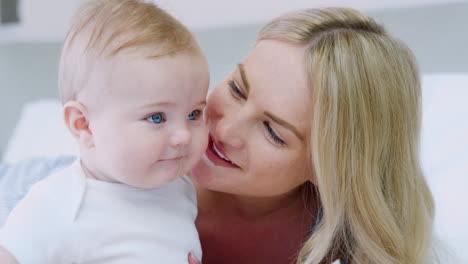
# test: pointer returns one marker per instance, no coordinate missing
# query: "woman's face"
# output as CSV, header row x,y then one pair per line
x,y
259,123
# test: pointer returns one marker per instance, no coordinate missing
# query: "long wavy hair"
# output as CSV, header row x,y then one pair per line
x,y
376,206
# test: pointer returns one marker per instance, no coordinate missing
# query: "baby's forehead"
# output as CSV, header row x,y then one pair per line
x,y
134,85
92,59
146,58
139,68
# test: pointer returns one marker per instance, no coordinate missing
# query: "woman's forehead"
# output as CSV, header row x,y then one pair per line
x,y
277,78
277,62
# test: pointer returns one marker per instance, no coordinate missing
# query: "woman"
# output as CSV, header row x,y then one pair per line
x,y
314,149
313,152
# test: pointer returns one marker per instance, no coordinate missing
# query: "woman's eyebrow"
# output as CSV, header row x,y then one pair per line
x,y
240,66
284,124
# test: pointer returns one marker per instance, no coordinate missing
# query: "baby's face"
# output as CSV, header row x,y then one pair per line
x,y
148,128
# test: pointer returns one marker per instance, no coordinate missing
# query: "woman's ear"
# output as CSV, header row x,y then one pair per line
x,y
77,122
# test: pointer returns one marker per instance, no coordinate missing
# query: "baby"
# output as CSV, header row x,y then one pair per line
x,y
133,82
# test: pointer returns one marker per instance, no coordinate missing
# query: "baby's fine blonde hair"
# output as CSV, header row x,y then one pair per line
x,y
364,139
104,28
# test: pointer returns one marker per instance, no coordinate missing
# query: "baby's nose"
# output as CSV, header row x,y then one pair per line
x,y
181,137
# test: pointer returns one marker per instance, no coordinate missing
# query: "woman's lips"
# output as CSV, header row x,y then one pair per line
x,y
216,155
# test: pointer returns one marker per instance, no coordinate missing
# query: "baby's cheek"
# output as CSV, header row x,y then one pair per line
x,y
129,152
201,141
198,147
131,162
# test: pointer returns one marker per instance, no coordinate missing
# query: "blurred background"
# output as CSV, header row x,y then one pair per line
x,y
31,33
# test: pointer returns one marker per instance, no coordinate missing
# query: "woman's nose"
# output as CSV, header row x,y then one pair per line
x,y
228,130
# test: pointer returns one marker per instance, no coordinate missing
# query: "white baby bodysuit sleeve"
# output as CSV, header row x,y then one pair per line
x,y
36,230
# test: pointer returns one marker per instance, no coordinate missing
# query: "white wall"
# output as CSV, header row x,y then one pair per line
x,y
214,13
48,20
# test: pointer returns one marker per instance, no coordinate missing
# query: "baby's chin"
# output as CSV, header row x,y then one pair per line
x,y
155,182
158,178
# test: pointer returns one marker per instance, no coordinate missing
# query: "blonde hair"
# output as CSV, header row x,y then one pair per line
x,y
364,139
103,28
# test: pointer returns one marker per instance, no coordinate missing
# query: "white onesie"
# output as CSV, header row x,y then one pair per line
x,y
70,219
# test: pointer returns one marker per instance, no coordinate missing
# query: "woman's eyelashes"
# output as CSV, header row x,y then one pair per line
x,y
235,90
272,134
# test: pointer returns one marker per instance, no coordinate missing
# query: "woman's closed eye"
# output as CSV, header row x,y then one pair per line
x,y
236,92
271,134
157,118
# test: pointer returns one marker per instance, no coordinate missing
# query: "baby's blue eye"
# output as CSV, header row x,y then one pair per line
x,y
157,118
194,115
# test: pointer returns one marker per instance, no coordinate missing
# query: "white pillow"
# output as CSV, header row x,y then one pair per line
x,y
444,149
40,132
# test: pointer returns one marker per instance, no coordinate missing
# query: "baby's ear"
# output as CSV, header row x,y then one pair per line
x,y
77,122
